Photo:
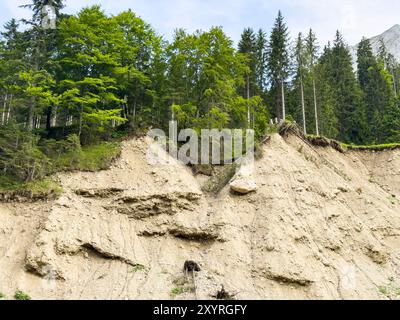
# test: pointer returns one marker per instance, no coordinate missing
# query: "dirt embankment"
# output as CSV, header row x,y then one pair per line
x,y
322,224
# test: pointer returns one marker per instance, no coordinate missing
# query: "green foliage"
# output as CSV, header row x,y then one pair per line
x,y
378,147
382,111
278,61
391,290
35,189
97,76
20,295
253,46
90,158
139,268
44,186
2,296
177,291
20,155
26,160
181,289
348,105
204,73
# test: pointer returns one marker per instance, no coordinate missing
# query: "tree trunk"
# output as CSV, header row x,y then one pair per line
x,y
172,115
134,114
54,117
31,114
125,107
248,103
283,100
3,114
80,122
9,109
303,107
48,118
315,109
38,122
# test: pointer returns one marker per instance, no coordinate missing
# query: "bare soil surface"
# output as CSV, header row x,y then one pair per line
x,y
321,225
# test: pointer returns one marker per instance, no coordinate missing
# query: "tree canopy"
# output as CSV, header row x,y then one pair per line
x,y
97,74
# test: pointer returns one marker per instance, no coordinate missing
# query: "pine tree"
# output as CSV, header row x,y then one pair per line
x,y
365,60
328,119
383,53
393,68
300,73
279,63
312,57
378,91
366,69
12,56
261,60
37,6
349,107
248,47
41,42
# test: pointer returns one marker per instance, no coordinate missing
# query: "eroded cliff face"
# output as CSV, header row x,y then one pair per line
x,y
321,225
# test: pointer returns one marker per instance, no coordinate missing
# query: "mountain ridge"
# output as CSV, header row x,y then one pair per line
x,y
391,39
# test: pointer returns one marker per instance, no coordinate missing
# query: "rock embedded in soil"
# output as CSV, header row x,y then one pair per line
x,y
243,185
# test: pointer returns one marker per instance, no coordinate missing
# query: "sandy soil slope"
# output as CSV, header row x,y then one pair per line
x,y
322,225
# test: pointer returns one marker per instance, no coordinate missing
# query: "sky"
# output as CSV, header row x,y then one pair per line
x,y
354,18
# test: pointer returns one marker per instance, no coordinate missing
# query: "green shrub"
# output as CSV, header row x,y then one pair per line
x,y
44,186
21,156
90,158
139,268
379,147
33,189
19,295
187,288
177,291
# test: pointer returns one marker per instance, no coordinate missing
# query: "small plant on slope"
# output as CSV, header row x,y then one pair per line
x,y
20,295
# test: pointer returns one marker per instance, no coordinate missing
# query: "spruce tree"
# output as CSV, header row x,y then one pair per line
x,y
300,73
279,64
248,47
41,43
328,119
378,91
365,60
312,57
393,69
13,62
349,106
261,61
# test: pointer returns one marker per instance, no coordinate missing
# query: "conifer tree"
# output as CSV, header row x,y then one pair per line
x,y
261,60
279,64
312,57
300,73
378,91
349,106
248,47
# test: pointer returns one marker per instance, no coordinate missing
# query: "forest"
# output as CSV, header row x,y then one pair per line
x,y
67,94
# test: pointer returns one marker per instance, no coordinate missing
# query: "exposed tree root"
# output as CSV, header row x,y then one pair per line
x,y
288,128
